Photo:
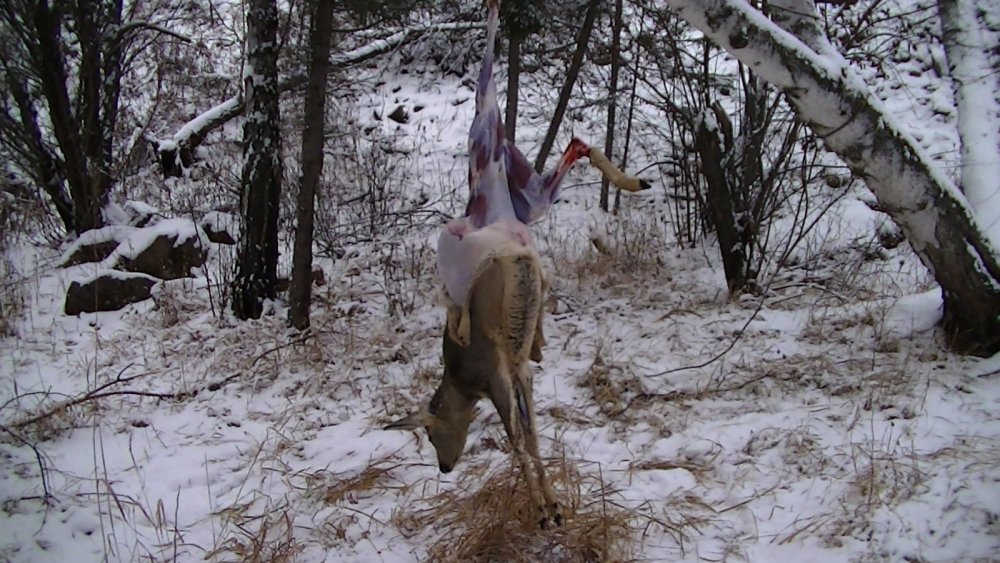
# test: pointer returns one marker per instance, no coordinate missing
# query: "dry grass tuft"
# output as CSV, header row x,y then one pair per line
x,y
334,489
12,294
498,522
267,536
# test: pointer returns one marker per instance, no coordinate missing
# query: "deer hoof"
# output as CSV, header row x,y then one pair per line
x,y
557,514
552,516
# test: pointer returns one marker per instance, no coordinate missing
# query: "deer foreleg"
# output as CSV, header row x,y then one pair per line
x,y
529,427
505,400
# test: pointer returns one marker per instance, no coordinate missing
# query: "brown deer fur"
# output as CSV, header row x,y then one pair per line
x,y
486,345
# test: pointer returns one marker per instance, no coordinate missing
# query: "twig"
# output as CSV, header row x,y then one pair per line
x,y
42,469
305,336
103,392
724,351
674,395
752,498
99,392
989,373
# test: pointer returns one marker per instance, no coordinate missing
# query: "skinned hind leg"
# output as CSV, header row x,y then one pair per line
x,y
529,427
504,397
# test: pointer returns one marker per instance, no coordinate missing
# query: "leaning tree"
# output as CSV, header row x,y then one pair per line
x,y
790,51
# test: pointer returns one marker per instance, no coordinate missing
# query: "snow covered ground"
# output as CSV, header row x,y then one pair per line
x,y
815,424
823,422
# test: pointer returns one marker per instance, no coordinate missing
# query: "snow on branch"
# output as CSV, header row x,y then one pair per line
x,y
125,31
396,39
380,47
178,151
836,103
208,120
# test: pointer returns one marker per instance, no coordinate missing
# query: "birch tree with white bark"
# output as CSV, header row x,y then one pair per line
x,y
971,35
257,261
790,51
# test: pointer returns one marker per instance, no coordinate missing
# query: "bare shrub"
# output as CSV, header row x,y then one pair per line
x,y
740,166
366,195
176,302
883,475
369,210
219,273
407,267
617,249
25,218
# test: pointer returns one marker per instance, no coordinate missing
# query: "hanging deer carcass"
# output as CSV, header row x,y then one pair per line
x,y
495,288
488,342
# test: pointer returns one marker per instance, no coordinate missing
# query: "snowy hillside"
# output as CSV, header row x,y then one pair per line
x,y
821,420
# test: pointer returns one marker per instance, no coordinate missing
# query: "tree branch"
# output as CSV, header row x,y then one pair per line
x,y
191,134
125,30
837,105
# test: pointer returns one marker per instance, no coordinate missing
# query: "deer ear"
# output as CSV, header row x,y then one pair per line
x,y
415,420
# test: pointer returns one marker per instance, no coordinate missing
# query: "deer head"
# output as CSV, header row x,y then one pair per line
x,y
446,420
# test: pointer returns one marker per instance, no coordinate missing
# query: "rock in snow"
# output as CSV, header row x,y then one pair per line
x,y
108,291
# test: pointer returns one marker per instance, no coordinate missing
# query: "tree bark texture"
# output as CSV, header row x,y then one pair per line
x,y
971,46
64,62
567,88
75,142
257,260
513,85
314,117
609,135
721,201
82,124
836,104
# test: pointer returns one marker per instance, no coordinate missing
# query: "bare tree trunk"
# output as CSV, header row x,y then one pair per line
x,y
257,260
567,89
973,62
112,68
314,115
834,102
67,130
65,60
45,165
609,136
513,84
723,204
83,126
